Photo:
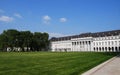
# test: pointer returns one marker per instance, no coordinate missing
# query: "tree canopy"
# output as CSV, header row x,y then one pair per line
x,y
14,40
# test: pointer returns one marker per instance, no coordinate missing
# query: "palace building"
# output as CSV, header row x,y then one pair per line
x,y
107,41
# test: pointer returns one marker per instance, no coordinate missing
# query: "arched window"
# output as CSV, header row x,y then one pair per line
x,y
80,43
103,48
112,49
97,48
109,48
89,42
119,49
86,42
94,48
100,48
75,43
116,49
83,42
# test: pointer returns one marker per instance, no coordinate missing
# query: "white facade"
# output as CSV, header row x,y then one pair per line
x,y
108,41
109,44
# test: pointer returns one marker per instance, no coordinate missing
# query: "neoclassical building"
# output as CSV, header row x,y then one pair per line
x,y
107,41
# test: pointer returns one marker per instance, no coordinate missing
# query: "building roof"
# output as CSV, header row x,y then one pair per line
x,y
96,34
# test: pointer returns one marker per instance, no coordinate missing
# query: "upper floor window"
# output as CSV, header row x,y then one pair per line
x,y
99,43
102,43
96,43
112,42
115,42
105,43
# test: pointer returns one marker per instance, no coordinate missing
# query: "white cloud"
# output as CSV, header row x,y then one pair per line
x,y
63,19
2,11
56,35
46,19
6,18
17,15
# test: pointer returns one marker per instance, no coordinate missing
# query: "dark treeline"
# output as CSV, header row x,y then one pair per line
x,y
14,40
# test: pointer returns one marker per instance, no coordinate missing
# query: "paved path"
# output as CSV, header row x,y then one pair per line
x,y
110,67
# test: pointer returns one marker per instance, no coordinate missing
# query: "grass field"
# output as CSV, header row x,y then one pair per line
x,y
48,63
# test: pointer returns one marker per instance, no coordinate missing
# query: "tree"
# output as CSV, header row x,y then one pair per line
x,y
23,39
3,42
9,38
45,42
26,37
37,40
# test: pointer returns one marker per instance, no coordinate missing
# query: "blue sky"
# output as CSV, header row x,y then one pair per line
x,y
60,17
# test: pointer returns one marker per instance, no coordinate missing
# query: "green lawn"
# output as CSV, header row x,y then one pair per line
x,y
50,63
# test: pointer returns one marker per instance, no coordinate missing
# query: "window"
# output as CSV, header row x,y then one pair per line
x,y
106,48
99,43
108,42
89,42
119,49
103,48
97,48
112,48
100,48
86,42
105,43
83,42
96,43
112,42
80,42
77,43
116,49
94,48
109,48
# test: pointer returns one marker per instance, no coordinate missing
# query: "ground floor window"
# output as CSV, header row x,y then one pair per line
x,y
119,49
97,48
116,49
94,48
100,48
106,48
112,48
103,48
